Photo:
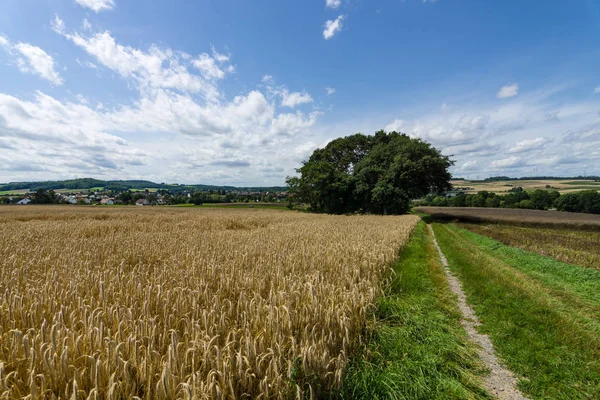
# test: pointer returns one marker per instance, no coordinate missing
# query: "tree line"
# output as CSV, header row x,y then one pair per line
x,y
586,201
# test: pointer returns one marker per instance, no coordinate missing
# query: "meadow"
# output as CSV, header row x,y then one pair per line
x,y
157,303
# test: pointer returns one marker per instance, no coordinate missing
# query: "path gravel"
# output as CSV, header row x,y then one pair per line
x,y
501,382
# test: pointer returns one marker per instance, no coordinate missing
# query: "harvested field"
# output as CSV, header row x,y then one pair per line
x,y
570,246
186,303
515,216
500,187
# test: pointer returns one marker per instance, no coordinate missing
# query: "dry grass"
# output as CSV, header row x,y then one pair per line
x,y
574,247
515,216
185,303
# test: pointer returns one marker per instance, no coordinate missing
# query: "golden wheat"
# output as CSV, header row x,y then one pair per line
x,y
185,303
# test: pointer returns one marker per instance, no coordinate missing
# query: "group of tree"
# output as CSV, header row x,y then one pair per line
x,y
587,201
377,174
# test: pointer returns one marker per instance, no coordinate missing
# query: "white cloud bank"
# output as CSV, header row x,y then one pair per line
x,y
32,59
332,27
514,138
180,119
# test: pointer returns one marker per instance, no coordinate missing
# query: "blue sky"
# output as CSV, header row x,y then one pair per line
x,y
240,92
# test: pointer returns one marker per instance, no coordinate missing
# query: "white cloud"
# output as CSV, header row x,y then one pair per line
x,y
332,27
155,68
86,25
242,140
510,162
333,3
528,145
97,5
470,165
32,59
508,91
395,126
329,91
515,136
208,66
444,107
597,90
295,98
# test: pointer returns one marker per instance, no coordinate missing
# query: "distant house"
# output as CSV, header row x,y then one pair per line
x,y
24,201
142,202
107,202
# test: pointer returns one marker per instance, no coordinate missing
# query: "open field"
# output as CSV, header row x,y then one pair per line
x,y
187,303
563,186
542,315
570,246
515,216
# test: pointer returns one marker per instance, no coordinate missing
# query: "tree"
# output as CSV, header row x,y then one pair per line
x,y
43,196
377,174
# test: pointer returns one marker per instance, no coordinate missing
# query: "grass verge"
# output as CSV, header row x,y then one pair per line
x,y
418,349
542,315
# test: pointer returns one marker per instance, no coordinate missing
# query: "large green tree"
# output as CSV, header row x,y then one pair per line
x,y
377,174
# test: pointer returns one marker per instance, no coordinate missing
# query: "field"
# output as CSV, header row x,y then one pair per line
x,y
562,185
535,218
541,314
186,302
568,245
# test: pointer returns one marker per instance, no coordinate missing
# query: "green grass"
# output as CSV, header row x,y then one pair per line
x,y
418,349
14,192
541,314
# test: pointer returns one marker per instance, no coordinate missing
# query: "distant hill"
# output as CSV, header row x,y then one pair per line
x,y
118,185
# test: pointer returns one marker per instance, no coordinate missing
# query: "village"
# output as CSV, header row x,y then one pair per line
x,y
148,197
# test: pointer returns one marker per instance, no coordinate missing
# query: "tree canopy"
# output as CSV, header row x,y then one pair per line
x,y
376,174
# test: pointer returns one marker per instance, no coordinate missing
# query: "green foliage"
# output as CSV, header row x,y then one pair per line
x,y
377,174
587,201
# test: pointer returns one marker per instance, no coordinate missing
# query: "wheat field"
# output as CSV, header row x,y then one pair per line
x,y
159,303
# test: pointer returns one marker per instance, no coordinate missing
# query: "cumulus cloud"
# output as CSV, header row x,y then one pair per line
x,y
295,98
515,136
97,5
154,68
184,119
329,91
32,59
332,27
333,3
508,91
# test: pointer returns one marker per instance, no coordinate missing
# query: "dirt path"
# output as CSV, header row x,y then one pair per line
x,y
501,382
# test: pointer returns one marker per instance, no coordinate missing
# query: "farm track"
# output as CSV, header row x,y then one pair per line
x,y
500,382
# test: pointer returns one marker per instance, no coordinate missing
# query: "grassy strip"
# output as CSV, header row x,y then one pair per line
x,y
539,313
570,246
418,349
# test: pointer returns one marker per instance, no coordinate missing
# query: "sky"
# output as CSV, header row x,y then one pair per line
x,y
241,92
